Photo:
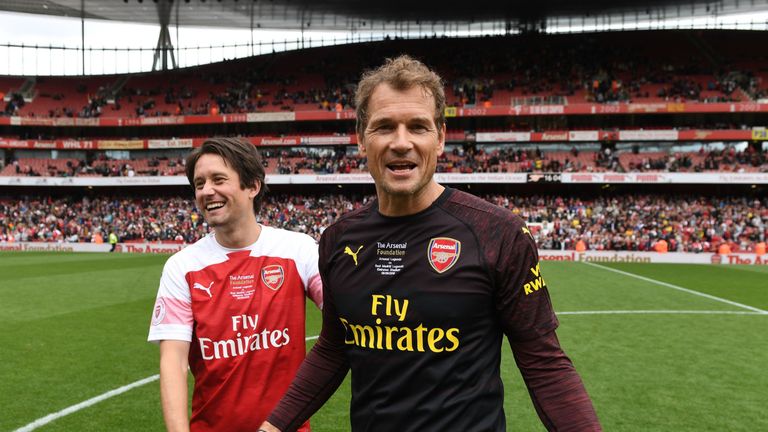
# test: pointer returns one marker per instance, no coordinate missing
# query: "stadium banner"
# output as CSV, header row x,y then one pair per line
x,y
740,259
315,115
329,140
361,178
556,136
11,143
325,115
95,181
545,178
270,117
75,145
648,135
714,135
156,248
234,118
155,121
53,247
276,141
481,178
544,255
503,137
662,177
44,145
652,257
583,136
120,144
56,144
759,134
365,178
495,137
39,121
647,107
171,143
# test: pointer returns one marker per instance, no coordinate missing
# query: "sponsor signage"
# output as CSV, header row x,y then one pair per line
x,y
280,141
651,135
314,115
652,257
544,177
446,178
77,145
171,143
95,181
328,140
270,117
15,144
442,253
555,136
675,178
120,144
503,136
546,109
583,136
760,134
493,137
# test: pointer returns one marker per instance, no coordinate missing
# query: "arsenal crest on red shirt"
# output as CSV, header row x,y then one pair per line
x,y
273,276
443,252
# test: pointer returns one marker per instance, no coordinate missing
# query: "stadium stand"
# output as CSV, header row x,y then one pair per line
x,y
632,222
536,73
606,68
303,160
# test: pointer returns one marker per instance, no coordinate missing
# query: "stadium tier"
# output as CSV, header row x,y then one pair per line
x,y
608,68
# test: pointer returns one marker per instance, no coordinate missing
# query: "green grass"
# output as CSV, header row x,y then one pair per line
x,y
75,326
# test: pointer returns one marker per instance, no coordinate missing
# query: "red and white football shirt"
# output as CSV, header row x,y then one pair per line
x,y
243,312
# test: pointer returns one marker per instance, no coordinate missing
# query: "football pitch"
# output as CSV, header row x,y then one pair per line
x,y
661,347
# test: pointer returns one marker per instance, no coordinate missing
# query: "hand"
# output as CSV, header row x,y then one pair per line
x,y
267,427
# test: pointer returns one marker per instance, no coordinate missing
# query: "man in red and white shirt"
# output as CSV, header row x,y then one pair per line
x,y
231,307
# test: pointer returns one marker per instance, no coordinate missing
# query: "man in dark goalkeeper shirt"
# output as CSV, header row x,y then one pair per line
x,y
421,286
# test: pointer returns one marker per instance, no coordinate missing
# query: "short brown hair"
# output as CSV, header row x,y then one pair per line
x,y
401,73
238,154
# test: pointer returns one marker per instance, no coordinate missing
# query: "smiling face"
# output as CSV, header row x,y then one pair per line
x,y
402,143
218,195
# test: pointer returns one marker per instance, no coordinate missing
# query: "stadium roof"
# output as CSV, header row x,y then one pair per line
x,y
368,15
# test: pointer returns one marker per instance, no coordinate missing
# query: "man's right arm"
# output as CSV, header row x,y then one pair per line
x,y
174,367
325,367
317,379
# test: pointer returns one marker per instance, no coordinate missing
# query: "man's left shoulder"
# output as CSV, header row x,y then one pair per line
x,y
468,207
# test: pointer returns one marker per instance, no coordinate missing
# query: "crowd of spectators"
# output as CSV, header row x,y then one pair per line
x,y
726,159
455,160
100,166
632,222
638,222
301,161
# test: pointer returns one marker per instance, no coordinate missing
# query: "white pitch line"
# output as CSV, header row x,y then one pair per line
x,y
652,312
679,288
85,404
42,421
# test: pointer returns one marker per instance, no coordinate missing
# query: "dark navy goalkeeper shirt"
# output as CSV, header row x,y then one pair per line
x,y
422,302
